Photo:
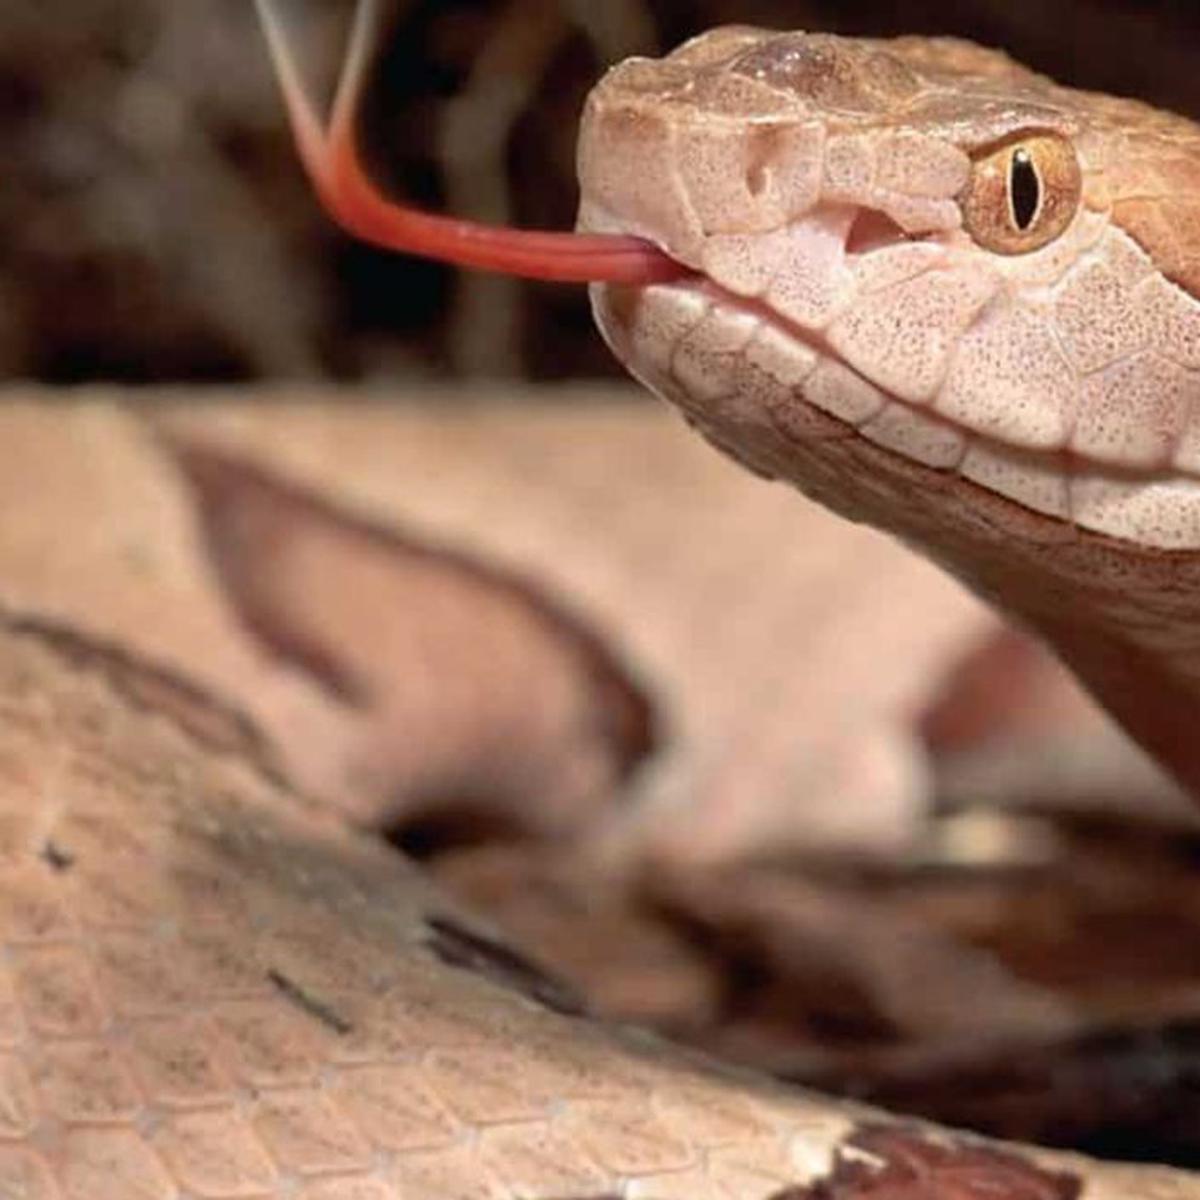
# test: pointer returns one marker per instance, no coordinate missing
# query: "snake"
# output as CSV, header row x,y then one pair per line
x,y
943,296
936,292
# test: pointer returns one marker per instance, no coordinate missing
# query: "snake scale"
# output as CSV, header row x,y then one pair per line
x,y
939,294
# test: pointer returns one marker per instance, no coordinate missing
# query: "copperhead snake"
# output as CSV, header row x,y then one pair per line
x,y
949,329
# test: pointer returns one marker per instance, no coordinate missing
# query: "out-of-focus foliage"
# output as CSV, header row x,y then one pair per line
x,y
154,224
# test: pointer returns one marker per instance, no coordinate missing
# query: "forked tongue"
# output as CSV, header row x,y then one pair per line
x,y
331,158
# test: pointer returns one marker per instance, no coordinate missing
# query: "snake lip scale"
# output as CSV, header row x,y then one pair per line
x,y
1066,461
706,297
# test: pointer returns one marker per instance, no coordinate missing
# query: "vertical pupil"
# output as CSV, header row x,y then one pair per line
x,y
1025,189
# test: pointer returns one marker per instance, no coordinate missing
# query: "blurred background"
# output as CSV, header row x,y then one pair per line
x,y
154,224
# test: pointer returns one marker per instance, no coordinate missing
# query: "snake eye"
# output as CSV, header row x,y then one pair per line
x,y
1022,194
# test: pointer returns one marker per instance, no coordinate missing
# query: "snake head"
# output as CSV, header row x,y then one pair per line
x,y
919,247
944,296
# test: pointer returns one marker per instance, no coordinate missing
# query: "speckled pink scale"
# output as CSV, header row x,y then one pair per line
x,y
917,164
850,168
1097,318
1159,513
1010,381
1023,476
917,435
842,393
811,281
1133,413
903,337
708,358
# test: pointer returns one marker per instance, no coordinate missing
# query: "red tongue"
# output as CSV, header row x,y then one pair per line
x,y
332,161
353,201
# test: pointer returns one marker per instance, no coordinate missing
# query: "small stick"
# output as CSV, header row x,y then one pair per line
x,y
332,161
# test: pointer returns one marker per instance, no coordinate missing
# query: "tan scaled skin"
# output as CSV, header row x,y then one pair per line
x,y
213,990
864,325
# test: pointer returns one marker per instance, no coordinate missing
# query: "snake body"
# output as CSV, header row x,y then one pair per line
x,y
209,989
873,319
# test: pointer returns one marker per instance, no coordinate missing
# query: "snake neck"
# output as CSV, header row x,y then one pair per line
x,y
1124,618
1149,682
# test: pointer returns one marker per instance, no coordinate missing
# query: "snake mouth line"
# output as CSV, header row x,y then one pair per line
x,y
1068,461
1153,507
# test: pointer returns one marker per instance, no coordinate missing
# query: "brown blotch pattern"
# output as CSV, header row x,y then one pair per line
x,y
897,1162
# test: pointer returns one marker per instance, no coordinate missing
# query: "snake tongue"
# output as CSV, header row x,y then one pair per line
x,y
332,161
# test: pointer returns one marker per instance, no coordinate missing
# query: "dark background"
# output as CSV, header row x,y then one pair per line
x,y
154,224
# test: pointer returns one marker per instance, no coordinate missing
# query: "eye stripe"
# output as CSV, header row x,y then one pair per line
x,y
1024,190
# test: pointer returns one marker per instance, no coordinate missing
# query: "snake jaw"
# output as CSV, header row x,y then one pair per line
x,y
946,367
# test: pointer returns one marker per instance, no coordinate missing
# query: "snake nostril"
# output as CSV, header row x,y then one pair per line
x,y
873,230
